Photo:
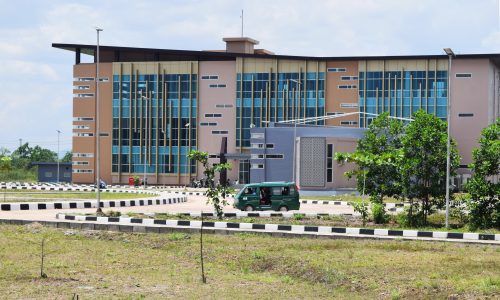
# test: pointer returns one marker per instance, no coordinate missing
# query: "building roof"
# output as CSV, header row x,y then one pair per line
x,y
155,54
241,39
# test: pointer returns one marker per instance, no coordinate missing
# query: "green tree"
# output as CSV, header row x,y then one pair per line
x,y
382,142
483,186
24,151
67,157
423,167
41,154
216,194
4,151
5,163
377,156
23,156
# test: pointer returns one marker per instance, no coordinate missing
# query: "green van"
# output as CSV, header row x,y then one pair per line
x,y
279,196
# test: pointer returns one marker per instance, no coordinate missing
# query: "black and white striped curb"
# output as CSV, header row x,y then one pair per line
x,y
188,193
90,188
57,185
390,206
264,214
298,229
74,188
89,204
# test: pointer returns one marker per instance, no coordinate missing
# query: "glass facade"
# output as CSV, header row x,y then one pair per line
x,y
274,97
401,93
244,171
156,130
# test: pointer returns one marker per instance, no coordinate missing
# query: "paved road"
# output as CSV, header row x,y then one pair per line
x,y
194,204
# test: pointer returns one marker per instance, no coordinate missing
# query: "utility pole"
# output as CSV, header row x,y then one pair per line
x,y
242,23
98,132
58,134
450,54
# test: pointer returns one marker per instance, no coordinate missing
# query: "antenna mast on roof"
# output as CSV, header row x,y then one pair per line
x,y
241,23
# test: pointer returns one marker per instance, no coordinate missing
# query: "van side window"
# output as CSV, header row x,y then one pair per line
x,y
285,191
276,191
249,191
292,189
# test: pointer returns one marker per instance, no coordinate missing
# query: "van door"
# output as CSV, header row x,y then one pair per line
x,y
276,197
250,197
293,198
265,198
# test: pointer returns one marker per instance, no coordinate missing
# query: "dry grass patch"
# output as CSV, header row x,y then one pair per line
x,y
99,264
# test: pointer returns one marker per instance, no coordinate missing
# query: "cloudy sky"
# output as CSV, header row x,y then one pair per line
x,y
36,79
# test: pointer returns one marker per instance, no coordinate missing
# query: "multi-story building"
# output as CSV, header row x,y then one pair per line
x,y
157,104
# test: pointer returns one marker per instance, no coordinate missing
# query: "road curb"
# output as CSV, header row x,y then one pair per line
x,y
74,189
89,204
304,230
389,206
263,214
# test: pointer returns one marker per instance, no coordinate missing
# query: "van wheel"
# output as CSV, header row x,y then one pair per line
x,y
283,208
248,208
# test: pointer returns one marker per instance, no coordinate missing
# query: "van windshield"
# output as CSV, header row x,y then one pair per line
x,y
239,193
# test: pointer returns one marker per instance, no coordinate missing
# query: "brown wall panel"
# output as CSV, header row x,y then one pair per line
x,y
86,107
335,96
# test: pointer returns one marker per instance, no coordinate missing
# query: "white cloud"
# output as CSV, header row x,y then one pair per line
x,y
34,70
492,42
36,79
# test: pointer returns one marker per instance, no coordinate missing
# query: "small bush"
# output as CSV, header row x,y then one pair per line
x,y
19,175
298,217
405,219
436,219
361,208
379,214
112,213
137,181
458,209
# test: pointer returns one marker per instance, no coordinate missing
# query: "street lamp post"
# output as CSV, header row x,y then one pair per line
x,y
450,54
188,126
58,134
98,133
295,130
145,135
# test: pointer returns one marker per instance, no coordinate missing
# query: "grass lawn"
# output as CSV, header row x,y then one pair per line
x,y
37,196
98,264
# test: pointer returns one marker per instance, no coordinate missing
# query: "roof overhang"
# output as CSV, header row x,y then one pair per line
x,y
171,54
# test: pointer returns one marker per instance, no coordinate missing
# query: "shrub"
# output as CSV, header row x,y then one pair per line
x,y
437,219
379,214
362,208
19,175
458,209
112,213
298,217
407,219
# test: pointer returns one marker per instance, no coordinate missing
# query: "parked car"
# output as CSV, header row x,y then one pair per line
x,y
279,196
